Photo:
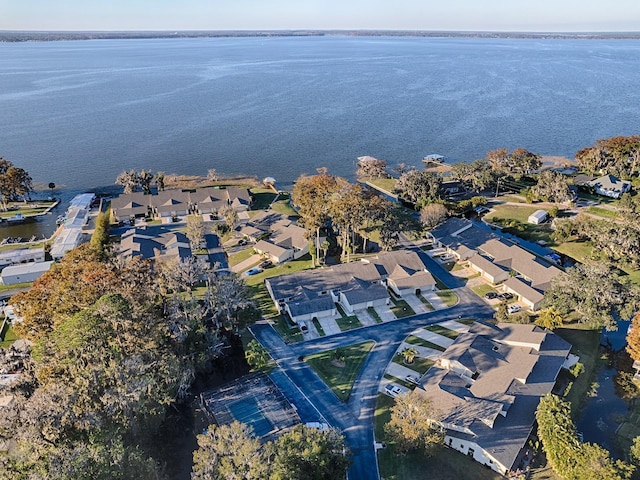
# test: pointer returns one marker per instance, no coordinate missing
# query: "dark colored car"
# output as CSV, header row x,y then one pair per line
x,y
490,295
506,296
266,264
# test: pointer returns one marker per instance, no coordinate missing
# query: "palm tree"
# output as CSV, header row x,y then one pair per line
x,y
409,354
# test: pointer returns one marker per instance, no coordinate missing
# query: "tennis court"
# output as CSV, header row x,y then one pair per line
x,y
247,411
254,400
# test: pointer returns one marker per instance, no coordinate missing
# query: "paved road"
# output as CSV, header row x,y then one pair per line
x,y
355,418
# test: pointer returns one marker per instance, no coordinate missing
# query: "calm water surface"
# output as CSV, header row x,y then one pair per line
x,y
79,112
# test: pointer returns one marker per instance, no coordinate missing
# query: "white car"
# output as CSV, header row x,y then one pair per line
x,y
392,390
514,308
412,379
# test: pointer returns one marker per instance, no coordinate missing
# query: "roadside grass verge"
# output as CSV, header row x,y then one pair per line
x,y
4,288
420,364
320,330
401,308
421,342
289,334
445,332
348,323
466,321
448,297
374,314
443,464
426,303
340,376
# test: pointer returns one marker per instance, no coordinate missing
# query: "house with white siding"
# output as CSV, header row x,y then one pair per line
x,y
486,388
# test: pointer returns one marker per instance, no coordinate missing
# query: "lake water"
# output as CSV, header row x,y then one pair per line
x,y
79,112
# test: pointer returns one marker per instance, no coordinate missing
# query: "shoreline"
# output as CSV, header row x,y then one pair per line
x,y
12,36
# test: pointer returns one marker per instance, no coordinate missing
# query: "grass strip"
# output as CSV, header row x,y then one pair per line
x,y
340,375
440,330
421,342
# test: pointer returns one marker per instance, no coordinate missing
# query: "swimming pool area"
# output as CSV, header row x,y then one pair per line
x,y
247,411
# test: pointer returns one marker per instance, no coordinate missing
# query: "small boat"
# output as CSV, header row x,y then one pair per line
x,y
17,218
60,220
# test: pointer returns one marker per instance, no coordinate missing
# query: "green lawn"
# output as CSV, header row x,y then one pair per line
x,y
401,308
348,323
316,323
241,256
602,212
482,290
510,212
288,334
262,198
384,183
303,263
426,303
340,377
6,248
8,336
444,464
420,364
577,250
466,321
445,332
4,288
374,314
414,340
448,297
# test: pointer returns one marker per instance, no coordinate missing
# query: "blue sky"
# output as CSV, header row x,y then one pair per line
x,y
495,15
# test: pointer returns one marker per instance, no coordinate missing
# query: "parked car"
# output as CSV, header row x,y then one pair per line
x,y
491,295
392,390
412,379
505,296
447,257
253,271
514,308
266,264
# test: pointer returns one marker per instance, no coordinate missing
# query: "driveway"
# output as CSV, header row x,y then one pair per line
x,y
434,338
355,417
246,264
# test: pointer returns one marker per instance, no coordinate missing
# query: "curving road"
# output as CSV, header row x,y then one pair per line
x,y
316,401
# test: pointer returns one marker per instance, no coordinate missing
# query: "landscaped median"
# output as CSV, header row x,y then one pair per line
x,y
339,368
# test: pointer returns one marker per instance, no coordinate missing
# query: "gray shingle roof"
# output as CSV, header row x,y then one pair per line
x,y
509,378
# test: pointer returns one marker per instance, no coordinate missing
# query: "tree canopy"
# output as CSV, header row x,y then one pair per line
x,y
233,452
413,423
570,458
14,182
419,187
596,291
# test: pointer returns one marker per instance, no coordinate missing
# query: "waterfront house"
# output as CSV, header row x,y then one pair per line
x,y
610,186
